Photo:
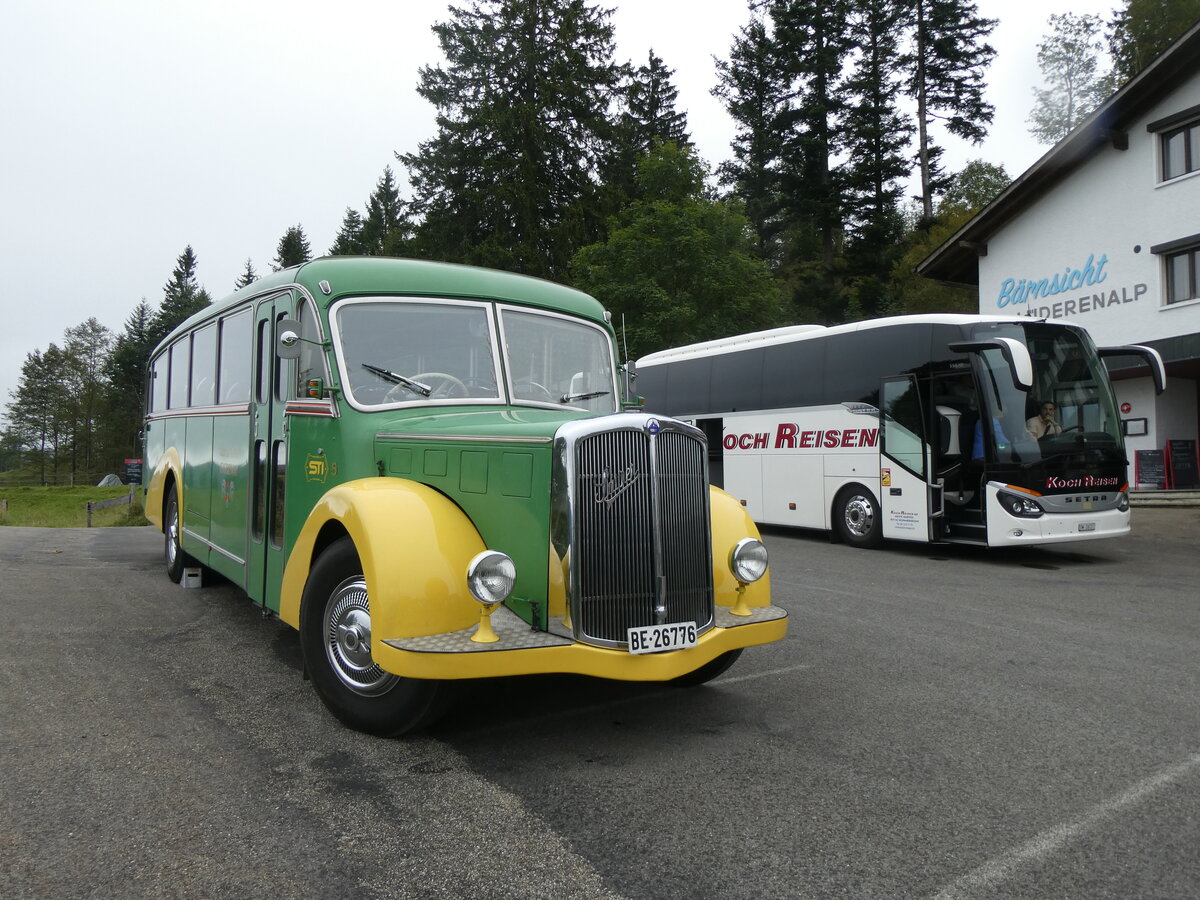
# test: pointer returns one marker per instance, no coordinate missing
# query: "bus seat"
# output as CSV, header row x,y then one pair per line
x,y
949,420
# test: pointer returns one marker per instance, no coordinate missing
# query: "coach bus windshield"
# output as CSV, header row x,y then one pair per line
x,y
419,352
1070,412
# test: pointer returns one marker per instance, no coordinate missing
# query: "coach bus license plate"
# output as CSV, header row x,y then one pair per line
x,y
657,638
1087,526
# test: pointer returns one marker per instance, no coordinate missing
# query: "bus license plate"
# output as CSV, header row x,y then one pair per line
x,y
658,638
1087,526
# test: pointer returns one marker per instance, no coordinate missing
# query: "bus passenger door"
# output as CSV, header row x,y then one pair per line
x,y
909,502
268,455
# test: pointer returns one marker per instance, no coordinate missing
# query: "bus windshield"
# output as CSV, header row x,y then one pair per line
x,y
402,352
1069,412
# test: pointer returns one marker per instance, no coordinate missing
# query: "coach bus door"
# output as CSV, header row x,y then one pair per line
x,y
268,454
909,502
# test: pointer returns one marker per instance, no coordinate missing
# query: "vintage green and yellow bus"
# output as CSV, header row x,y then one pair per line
x,y
435,473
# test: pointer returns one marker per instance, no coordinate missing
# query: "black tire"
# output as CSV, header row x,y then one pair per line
x,y
335,628
709,670
856,517
173,554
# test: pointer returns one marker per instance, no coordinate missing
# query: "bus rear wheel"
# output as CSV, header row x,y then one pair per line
x,y
856,517
173,554
335,638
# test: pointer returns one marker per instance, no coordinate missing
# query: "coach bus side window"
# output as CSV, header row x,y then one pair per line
x,y
204,366
180,375
158,384
234,361
311,363
262,381
280,472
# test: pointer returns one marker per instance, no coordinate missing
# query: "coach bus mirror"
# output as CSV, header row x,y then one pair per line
x,y
288,345
1016,354
1149,355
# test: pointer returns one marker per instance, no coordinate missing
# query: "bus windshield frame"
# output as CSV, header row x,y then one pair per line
x,y
1068,375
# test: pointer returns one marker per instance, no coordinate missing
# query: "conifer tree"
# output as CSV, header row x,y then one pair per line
x,y
292,250
248,276
386,229
349,239
182,295
875,136
944,72
651,102
751,86
125,372
523,98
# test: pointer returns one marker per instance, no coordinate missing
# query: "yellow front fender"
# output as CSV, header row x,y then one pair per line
x,y
731,523
168,464
414,545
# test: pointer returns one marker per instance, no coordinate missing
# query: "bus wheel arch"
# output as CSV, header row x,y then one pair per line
x,y
856,516
335,640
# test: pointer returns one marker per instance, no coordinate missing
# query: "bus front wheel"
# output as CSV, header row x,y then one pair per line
x,y
856,517
709,670
335,638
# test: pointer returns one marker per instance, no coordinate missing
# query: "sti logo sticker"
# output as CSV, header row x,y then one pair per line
x,y
316,467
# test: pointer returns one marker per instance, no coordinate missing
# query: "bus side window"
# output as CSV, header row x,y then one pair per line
x,y
180,374
311,363
158,383
204,366
233,367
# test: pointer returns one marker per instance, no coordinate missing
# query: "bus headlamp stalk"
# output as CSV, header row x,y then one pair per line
x,y
748,563
490,579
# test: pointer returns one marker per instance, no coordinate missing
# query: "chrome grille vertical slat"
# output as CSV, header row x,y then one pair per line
x,y
631,501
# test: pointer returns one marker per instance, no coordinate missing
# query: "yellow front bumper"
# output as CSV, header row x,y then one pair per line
x,y
522,651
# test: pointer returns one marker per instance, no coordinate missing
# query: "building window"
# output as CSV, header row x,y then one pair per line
x,y
1181,151
1178,143
1182,275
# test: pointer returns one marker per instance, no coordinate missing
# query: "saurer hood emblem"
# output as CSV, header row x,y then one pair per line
x,y
613,484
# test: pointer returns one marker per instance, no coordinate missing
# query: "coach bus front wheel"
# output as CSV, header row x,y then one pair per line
x,y
335,637
856,517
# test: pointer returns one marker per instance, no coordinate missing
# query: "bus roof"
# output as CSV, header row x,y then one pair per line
x,y
792,333
368,275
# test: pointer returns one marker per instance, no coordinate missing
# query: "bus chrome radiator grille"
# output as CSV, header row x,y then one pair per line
x,y
632,503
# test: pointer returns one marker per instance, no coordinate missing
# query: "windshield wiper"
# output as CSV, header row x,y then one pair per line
x,y
423,389
591,395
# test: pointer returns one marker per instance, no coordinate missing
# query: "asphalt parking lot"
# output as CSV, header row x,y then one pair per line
x,y
940,722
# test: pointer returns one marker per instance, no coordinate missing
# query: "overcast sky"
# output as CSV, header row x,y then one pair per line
x,y
133,128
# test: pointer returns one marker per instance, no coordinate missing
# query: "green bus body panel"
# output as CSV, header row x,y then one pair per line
x,y
501,480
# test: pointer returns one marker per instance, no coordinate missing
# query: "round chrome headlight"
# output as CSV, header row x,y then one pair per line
x,y
490,577
748,560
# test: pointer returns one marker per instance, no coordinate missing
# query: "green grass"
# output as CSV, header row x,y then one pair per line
x,y
66,507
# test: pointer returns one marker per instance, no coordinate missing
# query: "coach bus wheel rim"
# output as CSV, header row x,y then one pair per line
x,y
347,631
859,514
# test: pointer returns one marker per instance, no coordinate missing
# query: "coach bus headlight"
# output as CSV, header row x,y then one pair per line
x,y
748,560
1123,502
1022,507
490,577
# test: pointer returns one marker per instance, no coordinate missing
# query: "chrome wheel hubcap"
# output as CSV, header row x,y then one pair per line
x,y
860,517
347,629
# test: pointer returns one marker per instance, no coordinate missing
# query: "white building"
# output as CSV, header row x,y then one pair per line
x,y
1104,231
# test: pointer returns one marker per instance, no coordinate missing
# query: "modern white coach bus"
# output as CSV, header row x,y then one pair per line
x,y
964,429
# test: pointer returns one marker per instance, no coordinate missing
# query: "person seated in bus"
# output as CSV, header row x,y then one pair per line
x,y
1043,424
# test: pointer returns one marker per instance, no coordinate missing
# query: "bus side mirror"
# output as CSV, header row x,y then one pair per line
x,y
1149,355
1016,354
287,344
629,381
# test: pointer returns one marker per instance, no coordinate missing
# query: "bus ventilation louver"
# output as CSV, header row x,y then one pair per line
x,y
631,518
